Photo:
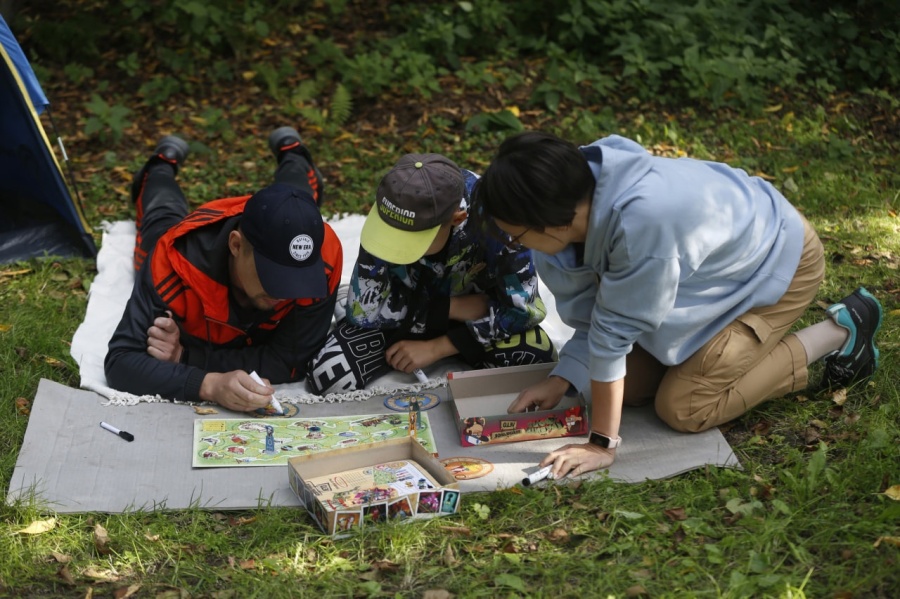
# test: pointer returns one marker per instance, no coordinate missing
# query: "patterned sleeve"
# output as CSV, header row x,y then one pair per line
x,y
380,293
511,282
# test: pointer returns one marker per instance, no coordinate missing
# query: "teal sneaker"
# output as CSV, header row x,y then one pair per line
x,y
861,314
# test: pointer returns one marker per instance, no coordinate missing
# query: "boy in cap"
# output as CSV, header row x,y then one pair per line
x,y
429,284
682,279
240,285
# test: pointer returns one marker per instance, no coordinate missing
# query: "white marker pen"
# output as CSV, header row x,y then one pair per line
x,y
420,375
274,402
537,476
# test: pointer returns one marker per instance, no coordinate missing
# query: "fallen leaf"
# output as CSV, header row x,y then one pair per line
x,y
65,574
38,527
449,557
761,428
247,564
102,575
61,558
676,514
558,535
5,327
895,541
51,361
893,492
437,594
385,565
205,411
242,520
839,397
125,592
101,540
152,538
22,406
812,435
636,591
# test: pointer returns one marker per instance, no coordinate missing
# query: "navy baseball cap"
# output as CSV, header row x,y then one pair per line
x,y
286,230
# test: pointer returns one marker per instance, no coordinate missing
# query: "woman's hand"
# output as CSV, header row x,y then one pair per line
x,y
574,460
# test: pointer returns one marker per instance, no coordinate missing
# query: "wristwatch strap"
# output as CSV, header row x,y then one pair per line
x,y
603,441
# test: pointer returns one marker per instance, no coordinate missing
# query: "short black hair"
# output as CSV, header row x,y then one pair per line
x,y
535,180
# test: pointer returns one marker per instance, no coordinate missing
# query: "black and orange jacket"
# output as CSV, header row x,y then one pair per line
x,y
187,274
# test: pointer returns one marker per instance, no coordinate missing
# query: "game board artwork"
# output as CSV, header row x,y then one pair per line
x,y
226,443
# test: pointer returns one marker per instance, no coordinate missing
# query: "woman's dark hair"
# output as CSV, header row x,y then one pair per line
x,y
535,180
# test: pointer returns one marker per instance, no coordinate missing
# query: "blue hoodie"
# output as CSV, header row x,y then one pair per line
x,y
676,250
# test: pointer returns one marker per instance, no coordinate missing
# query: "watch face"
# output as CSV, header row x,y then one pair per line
x,y
602,440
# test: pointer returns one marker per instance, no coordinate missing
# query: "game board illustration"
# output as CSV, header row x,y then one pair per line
x,y
372,484
222,443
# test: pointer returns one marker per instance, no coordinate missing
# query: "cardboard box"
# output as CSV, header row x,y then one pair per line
x,y
361,486
480,399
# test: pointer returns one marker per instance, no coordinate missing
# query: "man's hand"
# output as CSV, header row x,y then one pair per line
x,y
469,307
163,339
574,460
543,396
235,390
408,355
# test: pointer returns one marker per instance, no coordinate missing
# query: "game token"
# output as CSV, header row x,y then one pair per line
x,y
399,402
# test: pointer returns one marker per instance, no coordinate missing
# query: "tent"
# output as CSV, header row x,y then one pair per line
x,y
38,213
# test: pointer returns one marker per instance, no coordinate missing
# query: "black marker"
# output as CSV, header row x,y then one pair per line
x,y
127,436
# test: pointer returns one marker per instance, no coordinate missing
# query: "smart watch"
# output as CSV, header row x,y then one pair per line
x,y
603,441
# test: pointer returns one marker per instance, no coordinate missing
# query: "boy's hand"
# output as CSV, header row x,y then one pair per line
x,y
407,355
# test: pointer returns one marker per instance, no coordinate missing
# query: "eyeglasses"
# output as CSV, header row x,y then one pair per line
x,y
513,243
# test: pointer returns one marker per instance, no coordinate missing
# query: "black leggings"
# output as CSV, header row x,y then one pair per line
x,y
161,204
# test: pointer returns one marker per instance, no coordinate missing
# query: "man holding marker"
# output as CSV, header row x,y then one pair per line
x,y
240,285
429,283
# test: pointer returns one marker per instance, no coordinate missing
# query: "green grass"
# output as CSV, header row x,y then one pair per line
x,y
802,519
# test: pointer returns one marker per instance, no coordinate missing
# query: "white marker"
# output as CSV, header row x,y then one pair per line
x,y
538,476
127,436
420,375
274,402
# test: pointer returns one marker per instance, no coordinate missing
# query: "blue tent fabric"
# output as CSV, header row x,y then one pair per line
x,y
38,214
21,63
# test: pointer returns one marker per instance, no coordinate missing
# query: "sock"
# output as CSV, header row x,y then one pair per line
x,y
821,339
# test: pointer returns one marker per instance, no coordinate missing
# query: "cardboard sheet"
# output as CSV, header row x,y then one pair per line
x,y
68,463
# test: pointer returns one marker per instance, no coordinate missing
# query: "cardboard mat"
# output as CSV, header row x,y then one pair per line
x,y
68,463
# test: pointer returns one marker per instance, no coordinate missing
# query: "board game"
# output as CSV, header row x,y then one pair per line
x,y
235,442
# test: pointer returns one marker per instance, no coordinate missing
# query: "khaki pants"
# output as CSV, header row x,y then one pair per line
x,y
748,362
